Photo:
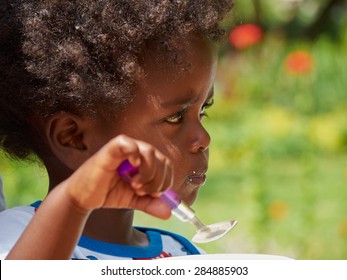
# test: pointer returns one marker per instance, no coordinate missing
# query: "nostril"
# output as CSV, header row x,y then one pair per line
x,y
201,141
203,149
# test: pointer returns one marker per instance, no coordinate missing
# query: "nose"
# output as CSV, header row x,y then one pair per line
x,y
199,139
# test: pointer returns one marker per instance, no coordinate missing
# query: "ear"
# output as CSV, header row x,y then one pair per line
x,y
65,135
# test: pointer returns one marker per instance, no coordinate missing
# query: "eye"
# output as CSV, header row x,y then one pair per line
x,y
206,105
176,118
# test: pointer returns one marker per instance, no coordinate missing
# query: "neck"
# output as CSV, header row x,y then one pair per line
x,y
114,226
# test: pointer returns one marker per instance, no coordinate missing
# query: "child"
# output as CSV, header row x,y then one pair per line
x,y
88,84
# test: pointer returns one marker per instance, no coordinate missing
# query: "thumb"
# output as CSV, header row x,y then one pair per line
x,y
154,207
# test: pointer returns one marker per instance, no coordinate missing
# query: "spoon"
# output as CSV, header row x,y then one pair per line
x,y
204,233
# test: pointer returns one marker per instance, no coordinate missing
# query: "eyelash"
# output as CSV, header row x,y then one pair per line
x,y
207,105
178,117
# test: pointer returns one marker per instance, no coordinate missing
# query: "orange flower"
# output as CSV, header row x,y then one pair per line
x,y
245,35
342,228
278,210
299,62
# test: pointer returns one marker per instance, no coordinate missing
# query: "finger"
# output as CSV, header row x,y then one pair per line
x,y
157,183
116,151
167,180
153,206
126,198
148,168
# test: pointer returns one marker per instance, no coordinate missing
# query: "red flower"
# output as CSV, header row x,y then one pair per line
x,y
245,35
298,62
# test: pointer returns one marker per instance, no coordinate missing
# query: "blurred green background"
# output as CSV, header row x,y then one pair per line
x,y
278,161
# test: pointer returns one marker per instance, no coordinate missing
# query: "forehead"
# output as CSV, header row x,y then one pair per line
x,y
179,55
187,65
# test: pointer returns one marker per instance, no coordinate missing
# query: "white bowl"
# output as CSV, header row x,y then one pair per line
x,y
231,257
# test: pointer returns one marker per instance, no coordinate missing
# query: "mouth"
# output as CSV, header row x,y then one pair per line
x,y
197,179
192,183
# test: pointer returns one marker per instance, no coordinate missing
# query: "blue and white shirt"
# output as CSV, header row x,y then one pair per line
x,y
162,243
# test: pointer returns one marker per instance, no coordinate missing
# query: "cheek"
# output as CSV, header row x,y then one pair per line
x,y
179,161
99,137
180,170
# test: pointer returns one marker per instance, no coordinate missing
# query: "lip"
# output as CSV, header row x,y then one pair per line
x,y
197,179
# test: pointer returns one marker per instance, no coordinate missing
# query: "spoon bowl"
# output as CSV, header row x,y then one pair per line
x,y
208,233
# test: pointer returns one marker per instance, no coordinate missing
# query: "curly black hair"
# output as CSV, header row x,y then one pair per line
x,y
58,55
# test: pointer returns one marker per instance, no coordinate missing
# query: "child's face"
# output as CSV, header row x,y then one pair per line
x,y
167,112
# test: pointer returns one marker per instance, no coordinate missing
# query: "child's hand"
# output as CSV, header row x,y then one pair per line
x,y
96,183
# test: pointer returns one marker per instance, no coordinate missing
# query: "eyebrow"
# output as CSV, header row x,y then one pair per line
x,y
187,100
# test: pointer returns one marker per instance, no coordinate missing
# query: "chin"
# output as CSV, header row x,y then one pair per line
x,y
190,198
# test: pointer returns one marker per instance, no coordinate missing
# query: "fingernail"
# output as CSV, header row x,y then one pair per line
x,y
135,161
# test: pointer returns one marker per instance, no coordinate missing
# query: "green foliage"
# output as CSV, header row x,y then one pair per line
x,y
23,183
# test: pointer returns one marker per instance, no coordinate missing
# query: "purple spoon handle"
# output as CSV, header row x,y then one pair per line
x,y
126,170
